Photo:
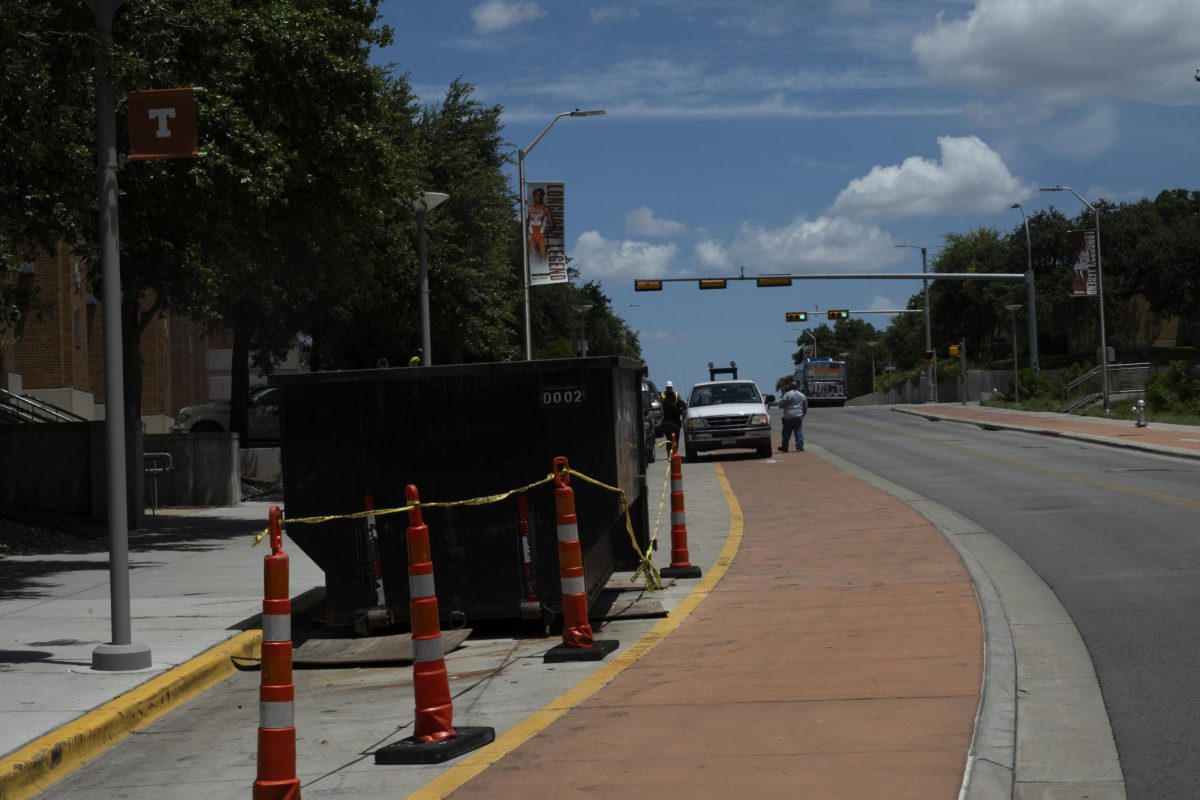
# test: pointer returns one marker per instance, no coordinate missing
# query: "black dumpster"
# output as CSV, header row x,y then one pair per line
x,y
460,432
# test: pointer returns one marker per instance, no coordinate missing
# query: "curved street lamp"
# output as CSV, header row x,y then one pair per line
x,y
929,370
521,154
1030,294
1099,290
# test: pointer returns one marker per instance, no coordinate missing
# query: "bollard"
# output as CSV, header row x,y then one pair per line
x,y
276,718
378,617
681,566
1140,408
434,738
577,644
530,607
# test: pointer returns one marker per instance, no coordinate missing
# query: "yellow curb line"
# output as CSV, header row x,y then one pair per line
x,y
48,759
473,765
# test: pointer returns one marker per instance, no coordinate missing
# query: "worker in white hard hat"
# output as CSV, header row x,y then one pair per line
x,y
673,409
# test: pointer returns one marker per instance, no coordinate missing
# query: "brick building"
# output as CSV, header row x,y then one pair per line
x,y
59,358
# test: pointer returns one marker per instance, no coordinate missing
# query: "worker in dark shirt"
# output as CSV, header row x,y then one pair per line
x,y
673,410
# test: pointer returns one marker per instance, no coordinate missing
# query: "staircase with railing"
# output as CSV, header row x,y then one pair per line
x,y
1123,380
20,408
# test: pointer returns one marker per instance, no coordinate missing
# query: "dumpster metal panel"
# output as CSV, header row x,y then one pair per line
x,y
460,432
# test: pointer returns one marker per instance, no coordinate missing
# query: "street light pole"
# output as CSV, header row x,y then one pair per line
x,y
583,309
814,338
421,207
871,346
930,370
1014,308
1099,291
1030,294
521,154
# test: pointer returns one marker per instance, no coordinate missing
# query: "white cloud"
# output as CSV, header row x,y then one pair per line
x,y
599,258
606,14
711,254
825,244
1085,135
1067,50
642,222
971,179
492,16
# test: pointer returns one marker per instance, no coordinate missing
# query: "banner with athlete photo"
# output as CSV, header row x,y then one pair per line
x,y
545,235
1084,280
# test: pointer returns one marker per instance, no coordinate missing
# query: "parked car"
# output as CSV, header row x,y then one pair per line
x,y
262,416
656,404
648,399
723,415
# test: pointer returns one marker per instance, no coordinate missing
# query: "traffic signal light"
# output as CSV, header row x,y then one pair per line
x,y
929,355
795,316
953,350
647,286
839,313
712,283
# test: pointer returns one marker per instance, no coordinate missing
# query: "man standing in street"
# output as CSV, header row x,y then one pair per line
x,y
794,406
673,408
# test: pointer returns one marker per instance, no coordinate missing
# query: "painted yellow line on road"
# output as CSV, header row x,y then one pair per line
x,y
456,776
48,759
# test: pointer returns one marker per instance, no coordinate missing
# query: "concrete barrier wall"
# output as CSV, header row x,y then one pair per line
x,y
206,469
262,464
46,467
62,467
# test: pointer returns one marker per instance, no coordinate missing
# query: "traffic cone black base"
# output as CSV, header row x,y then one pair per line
x,y
681,572
599,649
412,751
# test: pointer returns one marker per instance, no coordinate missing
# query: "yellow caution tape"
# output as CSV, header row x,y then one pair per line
x,y
645,567
381,512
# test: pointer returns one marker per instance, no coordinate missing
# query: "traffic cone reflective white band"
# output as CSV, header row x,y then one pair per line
x,y
421,585
431,684
427,649
276,715
277,620
572,585
568,532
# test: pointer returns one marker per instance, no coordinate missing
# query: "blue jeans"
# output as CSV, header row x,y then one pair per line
x,y
793,427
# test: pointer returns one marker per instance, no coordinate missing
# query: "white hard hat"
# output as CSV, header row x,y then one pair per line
x,y
670,385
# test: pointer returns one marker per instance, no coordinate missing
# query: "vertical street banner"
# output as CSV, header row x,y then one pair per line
x,y
1084,280
545,233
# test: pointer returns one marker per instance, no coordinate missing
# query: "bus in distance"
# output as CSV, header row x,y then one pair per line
x,y
823,381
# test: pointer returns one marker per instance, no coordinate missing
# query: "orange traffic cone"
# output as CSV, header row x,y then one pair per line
x,y
276,718
577,644
434,738
681,566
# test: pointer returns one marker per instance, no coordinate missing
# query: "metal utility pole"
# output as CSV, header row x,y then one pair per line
x,y
931,369
1030,294
121,654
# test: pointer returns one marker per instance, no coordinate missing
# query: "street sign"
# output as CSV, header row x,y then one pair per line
x,y
889,367
162,124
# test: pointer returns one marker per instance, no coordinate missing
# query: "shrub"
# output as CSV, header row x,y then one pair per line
x,y
1174,390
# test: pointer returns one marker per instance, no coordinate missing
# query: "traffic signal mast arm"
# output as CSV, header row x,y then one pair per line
x,y
655,284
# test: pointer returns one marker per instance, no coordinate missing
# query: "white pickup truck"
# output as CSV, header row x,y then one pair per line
x,y
725,415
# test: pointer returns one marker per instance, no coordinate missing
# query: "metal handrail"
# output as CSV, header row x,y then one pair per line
x,y
30,410
155,464
1123,379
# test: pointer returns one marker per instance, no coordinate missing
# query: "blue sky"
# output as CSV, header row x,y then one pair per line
x,y
810,137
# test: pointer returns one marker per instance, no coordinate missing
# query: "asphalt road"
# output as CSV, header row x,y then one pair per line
x,y
1115,533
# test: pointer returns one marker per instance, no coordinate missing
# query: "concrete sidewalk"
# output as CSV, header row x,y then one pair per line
x,y
844,660
196,584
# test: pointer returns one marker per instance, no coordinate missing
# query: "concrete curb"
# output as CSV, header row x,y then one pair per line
x,y
1108,441
1002,762
48,759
